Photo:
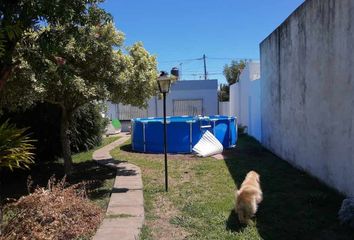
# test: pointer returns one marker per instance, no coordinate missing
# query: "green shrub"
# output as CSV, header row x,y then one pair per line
x,y
87,128
241,129
15,147
43,120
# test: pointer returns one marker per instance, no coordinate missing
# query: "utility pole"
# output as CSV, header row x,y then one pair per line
x,y
205,71
180,71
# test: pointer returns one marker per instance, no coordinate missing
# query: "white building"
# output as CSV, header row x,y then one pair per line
x,y
186,97
245,99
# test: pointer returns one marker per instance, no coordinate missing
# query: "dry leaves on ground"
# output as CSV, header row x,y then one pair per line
x,y
53,213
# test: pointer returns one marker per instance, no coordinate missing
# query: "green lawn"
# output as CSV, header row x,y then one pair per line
x,y
200,202
103,178
100,179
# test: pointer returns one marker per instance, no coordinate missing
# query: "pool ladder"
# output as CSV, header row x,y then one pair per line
x,y
203,127
210,124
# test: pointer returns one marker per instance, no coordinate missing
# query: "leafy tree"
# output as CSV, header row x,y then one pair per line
x,y
70,70
233,71
86,130
20,16
224,92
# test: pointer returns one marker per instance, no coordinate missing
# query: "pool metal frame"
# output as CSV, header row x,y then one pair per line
x,y
202,127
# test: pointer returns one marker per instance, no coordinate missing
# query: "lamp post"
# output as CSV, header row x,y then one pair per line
x,y
164,82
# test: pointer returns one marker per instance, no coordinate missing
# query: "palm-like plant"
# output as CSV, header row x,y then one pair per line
x,y
15,147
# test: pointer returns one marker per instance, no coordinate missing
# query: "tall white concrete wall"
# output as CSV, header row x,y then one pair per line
x,y
307,91
245,99
234,100
224,108
254,103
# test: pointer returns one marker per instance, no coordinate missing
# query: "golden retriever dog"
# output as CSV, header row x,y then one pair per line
x,y
248,197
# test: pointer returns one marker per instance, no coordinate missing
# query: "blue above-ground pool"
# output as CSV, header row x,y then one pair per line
x,y
183,133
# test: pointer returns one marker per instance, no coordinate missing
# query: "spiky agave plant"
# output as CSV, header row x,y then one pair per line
x,y
16,148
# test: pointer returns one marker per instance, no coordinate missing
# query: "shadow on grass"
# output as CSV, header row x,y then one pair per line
x,y
110,162
14,184
114,164
122,171
233,223
295,205
127,148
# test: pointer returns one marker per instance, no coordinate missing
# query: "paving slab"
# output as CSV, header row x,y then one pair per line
x,y
130,184
120,222
125,213
126,210
128,198
103,153
117,234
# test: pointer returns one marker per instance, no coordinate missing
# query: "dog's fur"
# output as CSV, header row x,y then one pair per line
x,y
248,197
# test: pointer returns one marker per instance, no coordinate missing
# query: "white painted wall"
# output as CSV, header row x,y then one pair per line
x,y
205,90
245,99
116,111
254,101
307,91
234,100
224,108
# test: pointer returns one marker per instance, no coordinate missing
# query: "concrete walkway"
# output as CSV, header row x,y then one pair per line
x,y
125,212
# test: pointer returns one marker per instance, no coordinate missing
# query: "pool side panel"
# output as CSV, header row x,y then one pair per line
x,y
154,137
222,132
178,137
137,137
182,133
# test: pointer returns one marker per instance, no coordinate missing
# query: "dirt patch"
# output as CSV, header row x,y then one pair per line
x,y
219,156
161,227
187,177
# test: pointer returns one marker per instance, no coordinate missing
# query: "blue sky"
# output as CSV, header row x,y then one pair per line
x,y
179,30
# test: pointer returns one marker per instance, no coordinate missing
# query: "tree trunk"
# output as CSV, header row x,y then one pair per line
x,y
1,215
65,141
5,73
6,63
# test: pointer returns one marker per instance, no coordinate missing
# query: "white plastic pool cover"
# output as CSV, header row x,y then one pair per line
x,y
208,145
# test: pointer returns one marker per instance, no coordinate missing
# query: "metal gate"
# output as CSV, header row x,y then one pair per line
x,y
127,112
190,107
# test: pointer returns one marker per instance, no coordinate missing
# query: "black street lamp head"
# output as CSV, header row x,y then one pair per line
x,y
163,73
164,82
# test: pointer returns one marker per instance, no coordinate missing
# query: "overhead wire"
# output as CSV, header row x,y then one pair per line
x,y
198,59
181,60
195,72
226,58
